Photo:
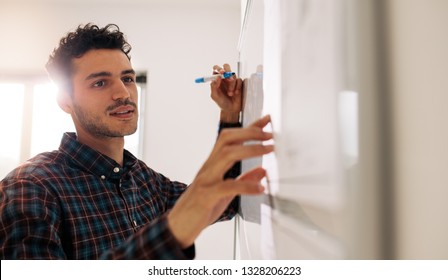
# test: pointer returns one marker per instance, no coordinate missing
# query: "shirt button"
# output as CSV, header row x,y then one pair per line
x,y
116,169
103,177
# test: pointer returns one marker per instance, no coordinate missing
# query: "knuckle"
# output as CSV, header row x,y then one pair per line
x,y
225,134
226,153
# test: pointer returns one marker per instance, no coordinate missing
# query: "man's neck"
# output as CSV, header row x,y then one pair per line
x,y
112,147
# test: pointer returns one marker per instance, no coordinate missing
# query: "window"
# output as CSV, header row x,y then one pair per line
x,y
48,121
11,122
31,121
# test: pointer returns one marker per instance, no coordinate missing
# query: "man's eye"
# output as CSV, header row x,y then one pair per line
x,y
99,84
128,79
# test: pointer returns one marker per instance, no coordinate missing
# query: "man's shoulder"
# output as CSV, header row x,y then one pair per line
x,y
42,165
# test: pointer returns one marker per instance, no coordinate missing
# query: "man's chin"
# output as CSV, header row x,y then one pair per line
x,y
115,134
131,132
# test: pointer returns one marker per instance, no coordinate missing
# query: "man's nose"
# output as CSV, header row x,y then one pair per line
x,y
120,91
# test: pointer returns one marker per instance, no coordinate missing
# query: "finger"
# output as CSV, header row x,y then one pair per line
x,y
262,122
230,136
227,68
235,187
231,86
255,174
217,69
240,152
231,82
216,94
239,86
215,84
220,161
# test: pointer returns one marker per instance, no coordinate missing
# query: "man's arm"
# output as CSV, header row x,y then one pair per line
x,y
210,193
29,222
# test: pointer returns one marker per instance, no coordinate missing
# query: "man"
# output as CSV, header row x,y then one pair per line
x,y
91,198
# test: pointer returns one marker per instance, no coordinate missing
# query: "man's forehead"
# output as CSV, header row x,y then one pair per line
x,y
102,60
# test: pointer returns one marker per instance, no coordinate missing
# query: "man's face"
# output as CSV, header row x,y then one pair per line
x,y
104,100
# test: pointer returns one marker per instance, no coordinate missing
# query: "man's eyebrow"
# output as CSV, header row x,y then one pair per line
x,y
108,74
129,71
98,74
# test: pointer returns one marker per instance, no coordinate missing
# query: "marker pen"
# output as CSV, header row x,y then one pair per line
x,y
224,75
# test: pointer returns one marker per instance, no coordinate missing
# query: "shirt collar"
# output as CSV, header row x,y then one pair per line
x,y
94,162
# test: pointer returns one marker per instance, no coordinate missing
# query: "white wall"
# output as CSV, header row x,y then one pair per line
x,y
175,41
418,52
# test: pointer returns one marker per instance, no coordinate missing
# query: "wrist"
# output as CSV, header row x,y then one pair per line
x,y
229,117
177,230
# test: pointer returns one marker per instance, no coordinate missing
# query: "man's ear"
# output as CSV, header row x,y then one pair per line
x,y
65,101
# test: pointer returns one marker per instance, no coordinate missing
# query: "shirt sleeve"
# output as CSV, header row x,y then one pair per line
x,y
154,241
29,222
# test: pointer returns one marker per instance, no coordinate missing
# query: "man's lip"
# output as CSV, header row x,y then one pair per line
x,y
122,109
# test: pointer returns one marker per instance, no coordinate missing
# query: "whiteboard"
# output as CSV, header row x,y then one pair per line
x,y
250,68
296,64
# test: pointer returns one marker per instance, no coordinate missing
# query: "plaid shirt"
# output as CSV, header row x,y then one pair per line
x,y
75,203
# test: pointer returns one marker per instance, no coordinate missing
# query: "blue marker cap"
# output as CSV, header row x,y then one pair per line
x,y
200,80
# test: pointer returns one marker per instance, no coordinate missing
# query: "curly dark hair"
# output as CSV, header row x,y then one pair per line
x,y
75,44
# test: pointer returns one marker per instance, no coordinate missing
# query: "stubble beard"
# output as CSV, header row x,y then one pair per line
x,y
95,126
